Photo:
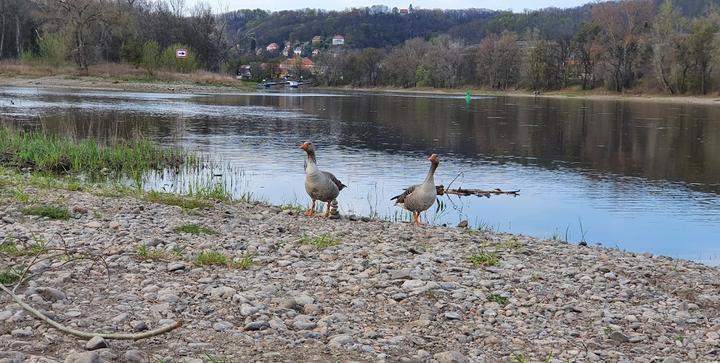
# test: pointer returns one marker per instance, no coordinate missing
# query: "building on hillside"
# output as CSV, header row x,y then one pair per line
x,y
297,51
244,72
289,66
316,40
315,52
272,47
338,40
404,11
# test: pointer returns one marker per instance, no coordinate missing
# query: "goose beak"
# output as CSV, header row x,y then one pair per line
x,y
304,146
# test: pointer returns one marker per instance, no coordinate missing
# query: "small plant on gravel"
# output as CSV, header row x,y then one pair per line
x,y
511,244
210,258
680,338
320,242
144,253
195,229
502,300
209,358
20,196
8,277
49,211
534,277
521,358
484,259
294,207
9,247
244,263
178,251
176,200
471,232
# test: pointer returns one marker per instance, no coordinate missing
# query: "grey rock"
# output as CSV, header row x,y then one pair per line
x,y
618,337
12,356
257,325
96,343
134,356
222,293
50,293
22,332
340,340
304,322
452,315
247,309
223,325
175,266
463,224
139,325
84,357
671,360
450,357
277,324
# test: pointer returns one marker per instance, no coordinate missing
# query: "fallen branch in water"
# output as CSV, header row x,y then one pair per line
x,y
477,192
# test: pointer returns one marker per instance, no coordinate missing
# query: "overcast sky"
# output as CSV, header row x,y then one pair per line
x,y
515,5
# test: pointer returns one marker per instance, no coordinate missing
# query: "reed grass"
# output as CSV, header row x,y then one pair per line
x,y
41,152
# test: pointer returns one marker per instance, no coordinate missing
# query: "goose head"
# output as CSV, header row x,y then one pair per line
x,y
307,147
434,159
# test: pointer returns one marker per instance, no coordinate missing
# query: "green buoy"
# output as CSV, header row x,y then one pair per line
x,y
468,97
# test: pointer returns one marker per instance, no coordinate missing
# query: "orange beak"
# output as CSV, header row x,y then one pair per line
x,y
304,146
433,157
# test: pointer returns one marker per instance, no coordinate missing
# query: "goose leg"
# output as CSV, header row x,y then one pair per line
x,y
311,212
327,210
416,217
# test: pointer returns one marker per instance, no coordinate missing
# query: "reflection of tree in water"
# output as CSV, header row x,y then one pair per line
x,y
655,141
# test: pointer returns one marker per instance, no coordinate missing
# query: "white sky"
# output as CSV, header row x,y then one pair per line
x,y
515,5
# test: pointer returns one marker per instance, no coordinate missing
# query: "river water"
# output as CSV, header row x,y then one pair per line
x,y
643,177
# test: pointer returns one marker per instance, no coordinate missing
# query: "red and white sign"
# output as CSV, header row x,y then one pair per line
x,y
181,53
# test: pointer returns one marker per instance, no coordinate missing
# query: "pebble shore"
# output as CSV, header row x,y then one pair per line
x,y
376,291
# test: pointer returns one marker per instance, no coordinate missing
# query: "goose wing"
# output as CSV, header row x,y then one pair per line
x,y
400,199
335,180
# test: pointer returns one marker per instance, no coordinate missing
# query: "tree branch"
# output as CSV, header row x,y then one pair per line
x,y
89,335
477,192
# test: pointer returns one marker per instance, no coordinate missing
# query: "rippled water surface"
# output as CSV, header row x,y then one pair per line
x,y
639,176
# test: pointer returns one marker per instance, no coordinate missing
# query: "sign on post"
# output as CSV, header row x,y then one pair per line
x,y
181,53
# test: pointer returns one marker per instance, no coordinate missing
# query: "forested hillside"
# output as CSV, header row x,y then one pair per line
x,y
642,45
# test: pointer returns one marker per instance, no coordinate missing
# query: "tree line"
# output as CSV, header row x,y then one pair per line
x,y
621,46
643,45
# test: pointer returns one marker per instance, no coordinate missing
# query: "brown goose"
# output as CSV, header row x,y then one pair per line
x,y
320,185
419,198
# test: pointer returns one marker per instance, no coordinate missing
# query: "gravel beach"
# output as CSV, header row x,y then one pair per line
x,y
350,289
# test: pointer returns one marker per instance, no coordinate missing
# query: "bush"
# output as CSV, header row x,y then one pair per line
x,y
52,49
169,62
150,59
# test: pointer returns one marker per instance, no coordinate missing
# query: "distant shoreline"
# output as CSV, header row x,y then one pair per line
x,y
190,87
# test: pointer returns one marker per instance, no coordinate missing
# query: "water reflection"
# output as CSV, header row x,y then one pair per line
x,y
642,176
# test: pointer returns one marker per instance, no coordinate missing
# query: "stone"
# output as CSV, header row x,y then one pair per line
x,y
22,332
450,357
257,325
96,343
303,322
223,326
452,315
618,337
84,357
222,293
247,309
340,340
134,356
139,325
175,266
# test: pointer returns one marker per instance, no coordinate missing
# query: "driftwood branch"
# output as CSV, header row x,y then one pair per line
x,y
82,334
477,192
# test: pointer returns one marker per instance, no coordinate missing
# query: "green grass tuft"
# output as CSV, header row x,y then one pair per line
x,y
195,229
176,200
484,259
49,211
211,258
8,277
244,263
320,242
145,253
502,300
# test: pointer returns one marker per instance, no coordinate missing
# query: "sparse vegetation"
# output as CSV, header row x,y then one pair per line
x,y
8,277
195,229
211,258
244,263
48,211
176,200
484,259
502,300
320,242
145,253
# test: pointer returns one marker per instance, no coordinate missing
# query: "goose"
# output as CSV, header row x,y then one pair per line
x,y
320,185
420,197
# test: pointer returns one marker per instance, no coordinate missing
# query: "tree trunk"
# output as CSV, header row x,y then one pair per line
x,y
17,35
2,35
